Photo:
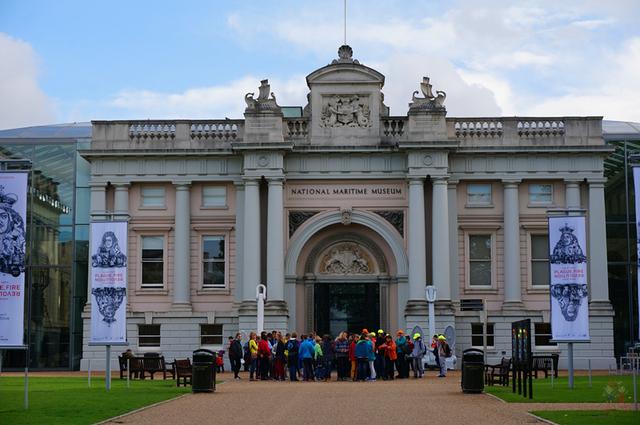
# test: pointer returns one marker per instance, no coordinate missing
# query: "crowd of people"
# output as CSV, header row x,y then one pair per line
x,y
359,357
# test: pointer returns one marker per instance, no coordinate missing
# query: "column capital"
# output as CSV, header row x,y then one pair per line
x,y
439,180
453,182
573,181
416,181
239,184
121,186
276,180
97,185
596,182
182,184
511,183
251,181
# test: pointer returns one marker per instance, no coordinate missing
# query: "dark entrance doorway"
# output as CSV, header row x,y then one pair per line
x,y
346,306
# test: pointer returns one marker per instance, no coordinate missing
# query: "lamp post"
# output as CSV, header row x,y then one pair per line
x,y
431,298
261,295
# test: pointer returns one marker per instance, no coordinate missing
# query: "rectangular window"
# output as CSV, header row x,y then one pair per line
x,y
480,260
210,334
479,193
540,260
152,261
214,196
543,334
149,336
213,263
541,194
152,197
476,335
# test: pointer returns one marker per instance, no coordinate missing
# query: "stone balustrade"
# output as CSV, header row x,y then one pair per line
x,y
227,130
296,128
393,128
471,132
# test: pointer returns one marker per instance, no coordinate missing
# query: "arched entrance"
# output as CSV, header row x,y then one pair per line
x,y
345,276
348,269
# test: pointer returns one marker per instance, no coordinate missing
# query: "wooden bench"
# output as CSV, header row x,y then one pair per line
x,y
545,363
498,373
183,371
141,366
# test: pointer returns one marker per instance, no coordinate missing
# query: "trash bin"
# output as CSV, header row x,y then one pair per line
x,y
472,371
203,377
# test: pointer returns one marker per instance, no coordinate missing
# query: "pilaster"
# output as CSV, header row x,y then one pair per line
x,y
181,257
512,286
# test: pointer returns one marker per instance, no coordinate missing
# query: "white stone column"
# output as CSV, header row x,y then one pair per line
x,y
453,238
512,288
440,237
275,241
598,276
181,249
98,209
251,248
417,243
98,206
121,201
239,228
572,194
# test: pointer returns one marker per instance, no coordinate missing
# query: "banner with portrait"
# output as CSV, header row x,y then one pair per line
x,y
13,245
568,278
636,186
108,279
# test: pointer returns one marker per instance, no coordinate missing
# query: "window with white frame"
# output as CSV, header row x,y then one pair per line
x,y
152,256
480,265
540,193
479,193
543,335
540,260
477,335
152,197
213,262
210,334
214,196
149,336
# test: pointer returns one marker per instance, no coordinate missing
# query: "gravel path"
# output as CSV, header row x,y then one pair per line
x,y
427,401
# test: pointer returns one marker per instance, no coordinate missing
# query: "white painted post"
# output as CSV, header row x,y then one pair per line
x,y
553,373
261,295
431,299
89,374
128,372
589,361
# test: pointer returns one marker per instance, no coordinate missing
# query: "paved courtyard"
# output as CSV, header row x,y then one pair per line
x,y
427,401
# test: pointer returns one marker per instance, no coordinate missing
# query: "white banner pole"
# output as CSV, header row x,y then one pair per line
x,y
107,369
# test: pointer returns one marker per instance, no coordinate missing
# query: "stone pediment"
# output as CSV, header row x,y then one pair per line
x,y
345,103
341,73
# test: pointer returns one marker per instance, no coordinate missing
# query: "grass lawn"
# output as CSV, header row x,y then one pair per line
x,y
560,393
590,417
70,401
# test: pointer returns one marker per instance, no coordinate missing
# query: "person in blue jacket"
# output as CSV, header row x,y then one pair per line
x,y
364,350
307,354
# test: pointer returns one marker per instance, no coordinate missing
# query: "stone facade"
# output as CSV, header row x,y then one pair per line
x,y
347,193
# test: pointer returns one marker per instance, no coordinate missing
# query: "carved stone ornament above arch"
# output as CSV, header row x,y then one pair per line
x,y
346,254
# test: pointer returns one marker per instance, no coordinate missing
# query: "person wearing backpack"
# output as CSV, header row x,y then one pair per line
x,y
293,346
418,353
444,351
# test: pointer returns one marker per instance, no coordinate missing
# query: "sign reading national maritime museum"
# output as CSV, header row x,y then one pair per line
x,y
351,191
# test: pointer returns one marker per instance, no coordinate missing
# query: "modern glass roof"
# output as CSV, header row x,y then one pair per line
x,y
76,130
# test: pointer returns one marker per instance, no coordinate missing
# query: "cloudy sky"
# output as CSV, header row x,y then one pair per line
x,y
65,61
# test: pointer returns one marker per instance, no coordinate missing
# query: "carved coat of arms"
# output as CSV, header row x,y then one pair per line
x,y
346,111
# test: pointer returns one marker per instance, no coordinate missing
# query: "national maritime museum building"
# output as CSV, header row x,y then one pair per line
x,y
344,212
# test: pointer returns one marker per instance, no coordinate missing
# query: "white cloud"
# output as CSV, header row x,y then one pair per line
x,y
219,101
23,102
